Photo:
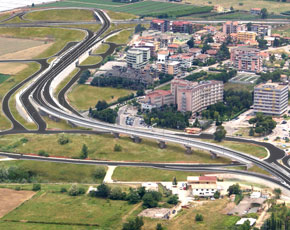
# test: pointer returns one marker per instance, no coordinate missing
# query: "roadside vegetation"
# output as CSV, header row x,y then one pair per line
x,y
91,60
122,37
150,174
101,49
102,147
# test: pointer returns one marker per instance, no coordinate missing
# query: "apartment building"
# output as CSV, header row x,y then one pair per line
x,y
194,96
160,25
182,27
137,58
233,27
261,29
244,36
169,67
271,98
157,99
246,59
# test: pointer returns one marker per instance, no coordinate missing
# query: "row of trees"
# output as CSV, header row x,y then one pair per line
x,y
273,76
224,76
15,174
117,82
84,76
107,115
234,102
150,199
167,117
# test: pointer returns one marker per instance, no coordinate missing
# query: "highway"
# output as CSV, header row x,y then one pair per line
x,y
37,98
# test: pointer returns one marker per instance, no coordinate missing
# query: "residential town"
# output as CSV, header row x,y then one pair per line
x,y
145,115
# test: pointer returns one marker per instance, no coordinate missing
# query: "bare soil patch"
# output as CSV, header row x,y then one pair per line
x,y
11,45
10,199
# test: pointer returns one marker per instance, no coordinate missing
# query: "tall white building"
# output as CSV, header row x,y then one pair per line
x,y
271,98
137,58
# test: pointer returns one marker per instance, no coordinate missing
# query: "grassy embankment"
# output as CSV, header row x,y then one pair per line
x,y
61,15
50,172
91,60
102,147
101,49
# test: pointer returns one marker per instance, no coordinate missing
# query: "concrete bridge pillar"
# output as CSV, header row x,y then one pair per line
x,y
42,113
90,52
71,124
77,63
213,155
56,119
162,144
136,139
116,135
188,149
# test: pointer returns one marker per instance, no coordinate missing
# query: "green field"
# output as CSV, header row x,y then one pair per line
x,y
140,8
252,149
49,172
3,77
102,147
54,207
92,60
101,49
121,38
150,174
271,6
83,97
61,15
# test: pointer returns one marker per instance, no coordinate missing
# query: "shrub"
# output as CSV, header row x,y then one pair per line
x,y
43,153
198,217
24,140
63,140
173,200
63,190
17,188
36,187
99,173
117,148
76,190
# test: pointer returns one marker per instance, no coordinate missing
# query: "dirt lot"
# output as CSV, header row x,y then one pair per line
x,y
10,199
29,53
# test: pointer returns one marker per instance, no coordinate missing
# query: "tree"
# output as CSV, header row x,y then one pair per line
x,y
62,140
220,133
133,197
139,28
141,191
84,152
264,13
198,217
135,224
196,123
251,132
159,227
277,192
276,43
140,92
190,42
232,8
217,195
249,26
103,191
117,194
101,105
234,189
148,201
262,43
223,52
173,200
36,187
